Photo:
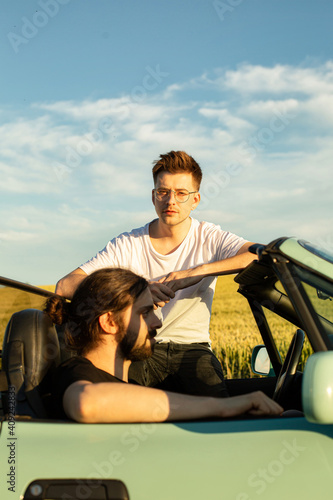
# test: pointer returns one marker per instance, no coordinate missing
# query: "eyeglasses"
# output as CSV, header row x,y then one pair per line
x,y
181,195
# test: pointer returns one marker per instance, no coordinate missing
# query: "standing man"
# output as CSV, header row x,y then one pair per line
x,y
181,257
111,322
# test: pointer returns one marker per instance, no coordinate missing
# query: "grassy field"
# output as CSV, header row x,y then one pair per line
x,y
233,329
234,332
12,300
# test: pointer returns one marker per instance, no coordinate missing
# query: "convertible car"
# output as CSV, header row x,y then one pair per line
x,y
290,456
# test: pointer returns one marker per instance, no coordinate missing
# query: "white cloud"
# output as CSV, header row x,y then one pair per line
x,y
228,119
250,79
279,79
75,170
17,236
320,109
255,109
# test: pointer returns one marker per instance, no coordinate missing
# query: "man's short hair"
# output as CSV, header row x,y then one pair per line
x,y
176,162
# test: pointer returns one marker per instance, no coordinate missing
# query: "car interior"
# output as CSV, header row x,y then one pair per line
x,y
33,348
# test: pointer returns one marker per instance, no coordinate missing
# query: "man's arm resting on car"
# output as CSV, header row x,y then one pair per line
x,y
104,402
69,283
183,279
163,290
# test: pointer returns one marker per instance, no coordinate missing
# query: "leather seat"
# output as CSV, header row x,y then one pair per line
x,y
30,354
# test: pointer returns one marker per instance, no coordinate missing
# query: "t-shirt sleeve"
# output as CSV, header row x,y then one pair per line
x,y
231,244
118,252
104,258
72,371
225,244
69,373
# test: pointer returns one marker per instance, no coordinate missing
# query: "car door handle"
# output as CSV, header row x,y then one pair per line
x,y
59,489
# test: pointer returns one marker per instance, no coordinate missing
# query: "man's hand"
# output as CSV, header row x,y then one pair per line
x,y
181,279
161,293
164,289
178,280
255,403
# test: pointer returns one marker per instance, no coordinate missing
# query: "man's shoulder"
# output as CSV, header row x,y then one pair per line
x,y
74,361
208,232
134,233
128,240
205,227
80,368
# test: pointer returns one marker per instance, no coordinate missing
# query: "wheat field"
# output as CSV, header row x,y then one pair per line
x,y
233,330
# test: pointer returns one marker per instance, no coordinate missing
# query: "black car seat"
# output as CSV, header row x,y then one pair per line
x,y
30,354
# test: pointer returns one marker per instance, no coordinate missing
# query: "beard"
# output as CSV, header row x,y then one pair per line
x,y
127,340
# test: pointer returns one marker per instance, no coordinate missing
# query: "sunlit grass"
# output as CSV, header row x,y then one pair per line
x,y
234,332
12,300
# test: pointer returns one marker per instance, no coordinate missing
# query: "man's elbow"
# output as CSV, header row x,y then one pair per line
x,y
77,406
80,413
59,289
67,285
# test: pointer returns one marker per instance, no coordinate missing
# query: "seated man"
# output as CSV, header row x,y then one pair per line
x,y
110,322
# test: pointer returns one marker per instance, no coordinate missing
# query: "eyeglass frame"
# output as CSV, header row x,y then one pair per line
x,y
175,193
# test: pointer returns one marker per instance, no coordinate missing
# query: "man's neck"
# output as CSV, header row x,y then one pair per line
x,y
107,359
167,238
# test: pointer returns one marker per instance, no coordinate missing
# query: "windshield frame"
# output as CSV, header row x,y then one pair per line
x,y
288,274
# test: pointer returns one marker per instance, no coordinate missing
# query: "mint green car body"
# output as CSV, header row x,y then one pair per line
x,y
242,459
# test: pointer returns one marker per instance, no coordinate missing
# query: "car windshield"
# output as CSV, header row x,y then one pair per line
x,y
320,293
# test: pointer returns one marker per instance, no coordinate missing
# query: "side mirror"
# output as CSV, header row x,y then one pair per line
x,y
260,362
317,388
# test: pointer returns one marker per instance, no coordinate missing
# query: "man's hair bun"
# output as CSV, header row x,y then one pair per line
x,y
57,308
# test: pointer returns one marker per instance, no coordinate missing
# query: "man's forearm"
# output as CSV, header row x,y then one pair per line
x,y
69,283
115,402
183,279
232,265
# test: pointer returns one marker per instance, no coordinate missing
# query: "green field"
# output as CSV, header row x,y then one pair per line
x,y
233,329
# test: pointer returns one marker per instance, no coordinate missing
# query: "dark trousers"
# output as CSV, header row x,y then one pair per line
x,y
184,368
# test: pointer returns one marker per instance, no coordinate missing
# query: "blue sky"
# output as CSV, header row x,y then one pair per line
x,y
93,92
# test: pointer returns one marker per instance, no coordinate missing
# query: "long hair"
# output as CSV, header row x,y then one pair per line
x,y
176,162
108,289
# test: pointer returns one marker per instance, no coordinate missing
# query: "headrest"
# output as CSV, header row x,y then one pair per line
x,y
30,352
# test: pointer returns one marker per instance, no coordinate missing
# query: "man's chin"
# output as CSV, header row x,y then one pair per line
x,y
142,353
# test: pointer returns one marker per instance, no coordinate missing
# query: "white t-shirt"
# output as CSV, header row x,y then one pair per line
x,y
186,317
